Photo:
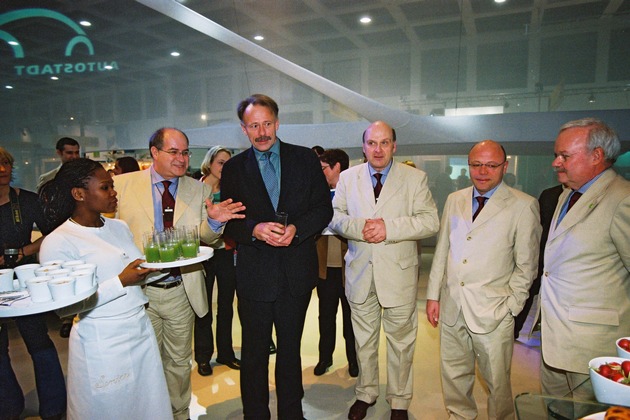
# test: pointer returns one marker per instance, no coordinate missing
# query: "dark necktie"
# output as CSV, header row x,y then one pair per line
x,y
168,209
270,179
482,201
573,199
379,186
168,206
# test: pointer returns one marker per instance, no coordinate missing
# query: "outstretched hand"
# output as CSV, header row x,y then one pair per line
x,y
133,273
225,210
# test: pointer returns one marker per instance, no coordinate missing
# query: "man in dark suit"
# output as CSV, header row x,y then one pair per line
x,y
276,267
547,201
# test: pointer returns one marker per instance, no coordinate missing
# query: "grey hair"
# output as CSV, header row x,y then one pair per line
x,y
600,135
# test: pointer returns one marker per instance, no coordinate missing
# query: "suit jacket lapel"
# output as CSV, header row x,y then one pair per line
x,y
495,204
366,189
144,195
583,207
185,195
255,178
464,206
393,183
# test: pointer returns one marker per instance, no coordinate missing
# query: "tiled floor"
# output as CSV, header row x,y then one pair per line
x,y
328,396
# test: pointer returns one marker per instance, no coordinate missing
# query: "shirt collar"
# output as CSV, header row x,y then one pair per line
x,y
275,149
488,194
156,178
385,171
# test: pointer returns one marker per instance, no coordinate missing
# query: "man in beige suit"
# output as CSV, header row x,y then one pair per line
x,y
174,301
383,208
585,290
485,261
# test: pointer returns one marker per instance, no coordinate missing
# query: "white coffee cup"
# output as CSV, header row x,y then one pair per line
x,y
61,272
86,266
6,280
38,289
61,287
25,272
53,262
71,264
44,270
84,280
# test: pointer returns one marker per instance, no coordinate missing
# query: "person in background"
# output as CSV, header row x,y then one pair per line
x,y
157,198
462,180
331,284
444,185
221,266
19,211
276,268
67,149
126,164
547,202
484,264
383,208
585,305
113,353
318,150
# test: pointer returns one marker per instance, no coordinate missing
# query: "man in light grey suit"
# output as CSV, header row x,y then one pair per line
x,y
67,149
383,208
485,261
585,290
173,301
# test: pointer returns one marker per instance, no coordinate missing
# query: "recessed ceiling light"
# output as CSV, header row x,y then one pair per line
x,y
85,23
259,37
54,78
175,54
108,67
365,20
8,87
499,1
14,43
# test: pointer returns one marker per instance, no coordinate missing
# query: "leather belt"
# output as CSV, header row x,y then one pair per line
x,y
165,285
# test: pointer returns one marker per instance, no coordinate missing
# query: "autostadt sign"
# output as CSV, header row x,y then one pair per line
x,y
79,37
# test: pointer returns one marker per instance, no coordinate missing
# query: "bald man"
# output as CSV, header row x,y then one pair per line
x,y
485,261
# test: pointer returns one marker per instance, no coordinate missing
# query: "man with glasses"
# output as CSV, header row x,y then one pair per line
x,y
586,276
383,208
276,267
484,263
157,198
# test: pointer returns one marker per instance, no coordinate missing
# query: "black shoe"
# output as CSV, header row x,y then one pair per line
x,y
204,368
321,368
353,369
232,364
272,348
65,329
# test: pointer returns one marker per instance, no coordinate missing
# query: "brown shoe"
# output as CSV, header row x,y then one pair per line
x,y
358,411
399,415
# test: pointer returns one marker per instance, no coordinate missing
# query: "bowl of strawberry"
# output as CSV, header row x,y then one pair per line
x,y
610,379
623,347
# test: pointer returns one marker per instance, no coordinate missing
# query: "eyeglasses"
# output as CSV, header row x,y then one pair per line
x,y
490,165
5,163
324,167
255,126
175,153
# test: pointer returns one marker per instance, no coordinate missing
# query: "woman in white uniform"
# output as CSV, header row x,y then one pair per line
x,y
114,365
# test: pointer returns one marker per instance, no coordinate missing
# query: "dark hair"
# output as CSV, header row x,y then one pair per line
x,y
66,141
318,150
128,164
334,156
257,99
56,195
157,139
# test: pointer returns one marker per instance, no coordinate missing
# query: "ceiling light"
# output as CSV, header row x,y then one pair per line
x,y
499,1
54,78
14,43
108,67
365,20
259,37
85,23
175,54
591,98
8,87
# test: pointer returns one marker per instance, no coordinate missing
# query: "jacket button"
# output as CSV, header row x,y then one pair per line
x,y
546,273
461,284
465,261
468,238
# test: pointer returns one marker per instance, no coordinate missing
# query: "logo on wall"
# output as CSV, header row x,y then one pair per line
x,y
78,37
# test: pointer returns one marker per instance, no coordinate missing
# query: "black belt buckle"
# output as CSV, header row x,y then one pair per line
x,y
166,285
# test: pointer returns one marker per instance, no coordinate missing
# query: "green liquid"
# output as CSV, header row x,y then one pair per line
x,y
167,254
152,253
189,250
